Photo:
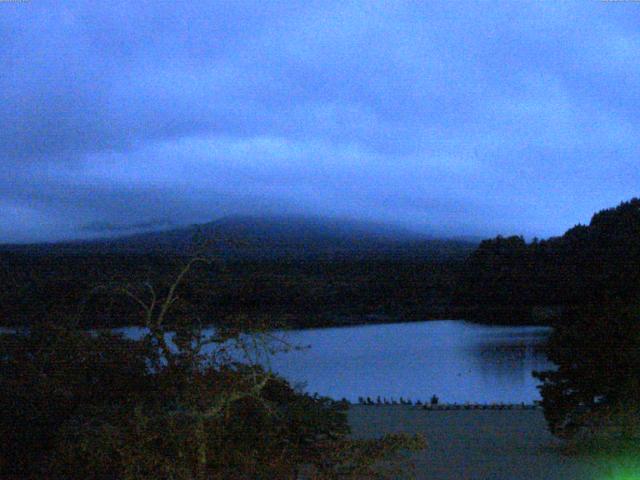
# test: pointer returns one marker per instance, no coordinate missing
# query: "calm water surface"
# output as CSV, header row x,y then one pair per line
x,y
457,361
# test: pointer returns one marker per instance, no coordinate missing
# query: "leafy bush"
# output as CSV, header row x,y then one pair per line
x,y
176,404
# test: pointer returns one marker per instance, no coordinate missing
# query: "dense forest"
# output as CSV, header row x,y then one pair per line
x,y
508,280
299,293
301,274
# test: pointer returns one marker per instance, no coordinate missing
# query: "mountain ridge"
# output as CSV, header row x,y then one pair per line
x,y
258,236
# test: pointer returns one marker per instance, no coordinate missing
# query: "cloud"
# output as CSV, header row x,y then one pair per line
x,y
461,119
107,227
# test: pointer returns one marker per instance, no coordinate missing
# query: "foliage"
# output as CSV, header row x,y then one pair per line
x,y
595,390
176,404
50,374
307,292
507,280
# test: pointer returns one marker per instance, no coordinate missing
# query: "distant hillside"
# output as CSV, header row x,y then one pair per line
x,y
510,279
312,272
267,237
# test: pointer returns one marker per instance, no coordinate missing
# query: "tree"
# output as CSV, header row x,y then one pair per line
x,y
496,283
178,403
595,391
506,279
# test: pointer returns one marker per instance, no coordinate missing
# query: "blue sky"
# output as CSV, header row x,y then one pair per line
x,y
455,118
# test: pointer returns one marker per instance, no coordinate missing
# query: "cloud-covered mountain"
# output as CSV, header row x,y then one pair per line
x,y
463,117
266,237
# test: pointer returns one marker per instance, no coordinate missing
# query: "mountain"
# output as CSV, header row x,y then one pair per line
x,y
267,237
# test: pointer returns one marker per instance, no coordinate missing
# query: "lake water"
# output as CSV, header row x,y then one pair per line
x,y
457,361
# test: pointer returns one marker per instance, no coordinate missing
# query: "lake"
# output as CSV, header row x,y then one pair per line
x,y
456,360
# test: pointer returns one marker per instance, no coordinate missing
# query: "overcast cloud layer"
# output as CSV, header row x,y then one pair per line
x,y
457,118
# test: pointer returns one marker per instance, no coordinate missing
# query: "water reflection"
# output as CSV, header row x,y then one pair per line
x,y
510,353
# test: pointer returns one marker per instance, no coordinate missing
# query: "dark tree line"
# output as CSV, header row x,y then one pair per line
x,y
302,292
508,280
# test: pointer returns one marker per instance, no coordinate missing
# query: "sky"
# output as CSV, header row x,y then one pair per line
x,y
452,118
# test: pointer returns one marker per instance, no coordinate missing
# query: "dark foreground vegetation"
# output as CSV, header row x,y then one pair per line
x,y
594,394
81,405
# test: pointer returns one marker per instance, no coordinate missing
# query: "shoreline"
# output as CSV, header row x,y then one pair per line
x,y
480,444
286,321
441,407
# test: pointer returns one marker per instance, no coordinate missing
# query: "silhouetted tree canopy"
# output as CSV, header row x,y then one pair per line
x,y
306,292
511,281
178,403
596,388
